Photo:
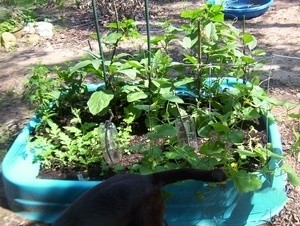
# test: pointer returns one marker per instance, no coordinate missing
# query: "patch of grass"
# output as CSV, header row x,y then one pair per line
x,y
6,138
13,19
22,3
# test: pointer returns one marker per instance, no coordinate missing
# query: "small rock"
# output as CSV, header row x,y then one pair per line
x,y
44,29
29,29
33,39
9,40
19,33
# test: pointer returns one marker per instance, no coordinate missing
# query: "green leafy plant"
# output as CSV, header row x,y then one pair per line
x,y
296,131
148,100
11,21
79,142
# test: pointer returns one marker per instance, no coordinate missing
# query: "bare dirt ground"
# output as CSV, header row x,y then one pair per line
x,y
277,31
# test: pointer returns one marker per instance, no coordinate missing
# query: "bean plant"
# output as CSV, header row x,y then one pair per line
x,y
227,120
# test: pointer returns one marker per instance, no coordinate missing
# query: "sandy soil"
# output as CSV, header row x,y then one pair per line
x,y
277,31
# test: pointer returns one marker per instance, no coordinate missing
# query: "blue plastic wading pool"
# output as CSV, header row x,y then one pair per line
x,y
238,9
189,202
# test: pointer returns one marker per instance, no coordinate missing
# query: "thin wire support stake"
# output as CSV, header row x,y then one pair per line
x,y
268,91
148,55
99,40
148,40
244,52
199,79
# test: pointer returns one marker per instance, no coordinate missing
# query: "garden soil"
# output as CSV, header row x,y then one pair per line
x,y
277,31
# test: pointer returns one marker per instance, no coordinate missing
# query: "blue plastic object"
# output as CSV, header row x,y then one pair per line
x,y
238,9
189,202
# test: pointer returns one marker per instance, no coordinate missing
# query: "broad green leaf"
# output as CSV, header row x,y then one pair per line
x,y
191,13
237,53
246,182
172,98
136,96
55,94
204,131
211,148
113,37
235,136
144,107
247,38
173,155
210,31
130,73
250,40
219,127
131,113
130,88
98,101
184,81
292,175
248,59
96,64
120,55
258,52
134,63
162,131
191,59
186,43
250,113
157,39
219,17
80,65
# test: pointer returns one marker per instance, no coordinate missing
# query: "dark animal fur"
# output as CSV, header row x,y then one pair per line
x,y
129,199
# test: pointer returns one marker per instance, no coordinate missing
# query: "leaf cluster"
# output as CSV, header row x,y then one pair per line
x,y
227,116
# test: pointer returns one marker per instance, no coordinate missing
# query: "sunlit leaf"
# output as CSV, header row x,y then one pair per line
x,y
292,175
99,100
161,131
136,96
130,73
191,13
172,98
210,31
173,155
186,43
246,182
113,37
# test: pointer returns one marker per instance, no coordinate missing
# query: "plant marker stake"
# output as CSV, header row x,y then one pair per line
x,y
99,40
80,177
108,140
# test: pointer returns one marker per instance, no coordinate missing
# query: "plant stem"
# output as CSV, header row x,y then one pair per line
x,y
99,43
